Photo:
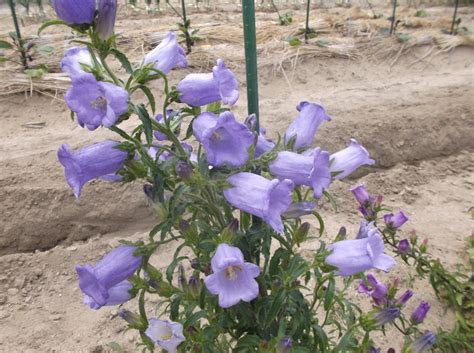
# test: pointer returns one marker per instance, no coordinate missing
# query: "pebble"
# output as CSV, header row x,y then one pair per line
x,y
3,299
12,291
3,314
71,248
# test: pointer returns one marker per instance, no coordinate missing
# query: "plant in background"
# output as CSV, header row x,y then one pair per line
x,y
238,207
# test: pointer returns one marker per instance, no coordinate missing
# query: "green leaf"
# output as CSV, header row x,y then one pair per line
x,y
3,59
295,42
116,347
50,23
194,318
321,222
275,307
172,267
123,60
331,200
5,45
247,344
329,296
146,122
150,97
45,50
35,73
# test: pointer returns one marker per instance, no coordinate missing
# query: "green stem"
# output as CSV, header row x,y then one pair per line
x,y
392,25
306,31
454,16
250,43
18,35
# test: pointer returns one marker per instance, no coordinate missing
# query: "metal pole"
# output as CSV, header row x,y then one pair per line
x,y
392,26
306,31
18,34
454,16
250,43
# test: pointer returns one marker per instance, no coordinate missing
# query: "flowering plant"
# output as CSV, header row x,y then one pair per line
x,y
238,206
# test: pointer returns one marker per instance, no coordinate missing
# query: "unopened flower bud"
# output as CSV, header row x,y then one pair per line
x,y
285,345
386,315
194,285
413,237
106,18
233,226
301,233
405,297
403,246
420,312
299,209
133,319
183,170
148,190
182,278
251,122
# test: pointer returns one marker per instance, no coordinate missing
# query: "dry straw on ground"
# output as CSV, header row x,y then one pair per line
x,y
354,36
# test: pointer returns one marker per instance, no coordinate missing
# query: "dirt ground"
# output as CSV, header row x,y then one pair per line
x,y
416,118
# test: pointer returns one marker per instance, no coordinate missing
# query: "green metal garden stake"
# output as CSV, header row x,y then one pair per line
x,y
18,35
454,16
306,31
250,43
392,26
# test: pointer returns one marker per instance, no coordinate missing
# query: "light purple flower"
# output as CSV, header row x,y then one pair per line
x,y
304,127
366,229
420,312
263,145
423,343
225,140
73,58
368,204
90,162
75,12
200,89
359,255
299,209
349,159
96,103
405,297
395,221
386,315
362,195
267,199
233,278
167,55
107,12
310,170
166,334
106,283
374,288
403,246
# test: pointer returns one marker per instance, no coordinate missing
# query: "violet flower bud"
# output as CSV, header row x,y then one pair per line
x,y
107,283
133,319
420,312
233,279
200,89
405,297
267,199
374,288
346,161
106,18
304,127
299,209
225,140
403,246
362,195
167,55
285,345
374,350
95,102
395,221
194,285
90,162
387,315
183,170
423,343
166,334
310,170
359,255
75,12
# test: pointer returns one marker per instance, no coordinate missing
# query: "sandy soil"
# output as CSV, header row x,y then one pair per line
x,y
417,121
